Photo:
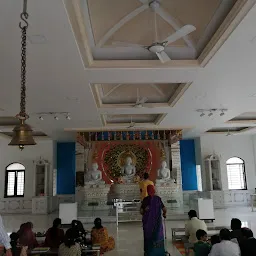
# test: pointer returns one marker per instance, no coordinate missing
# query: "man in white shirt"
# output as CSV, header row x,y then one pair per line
x,y
225,247
193,225
4,239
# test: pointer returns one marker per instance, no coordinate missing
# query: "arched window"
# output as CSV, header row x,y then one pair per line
x,y
15,180
236,173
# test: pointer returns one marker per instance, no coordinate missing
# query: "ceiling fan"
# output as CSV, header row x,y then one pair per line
x,y
157,47
140,101
133,125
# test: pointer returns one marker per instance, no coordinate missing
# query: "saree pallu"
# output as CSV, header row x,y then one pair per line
x,y
153,226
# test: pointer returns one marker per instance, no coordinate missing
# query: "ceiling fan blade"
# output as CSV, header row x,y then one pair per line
x,y
163,57
125,44
142,100
187,29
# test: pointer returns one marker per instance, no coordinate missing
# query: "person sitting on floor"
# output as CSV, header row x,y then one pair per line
x,y
215,239
27,236
236,233
100,236
202,247
248,245
54,235
193,225
14,237
70,247
225,247
78,227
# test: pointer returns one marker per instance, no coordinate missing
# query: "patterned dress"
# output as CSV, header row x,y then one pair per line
x,y
74,250
100,236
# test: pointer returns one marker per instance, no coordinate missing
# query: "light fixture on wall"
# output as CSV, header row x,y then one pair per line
x,y
22,133
212,111
55,115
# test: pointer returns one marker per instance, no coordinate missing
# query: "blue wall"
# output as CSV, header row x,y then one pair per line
x,y
188,164
66,168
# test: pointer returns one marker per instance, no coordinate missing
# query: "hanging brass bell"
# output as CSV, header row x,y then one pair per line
x,y
22,135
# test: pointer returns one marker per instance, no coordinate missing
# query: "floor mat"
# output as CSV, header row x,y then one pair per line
x,y
180,247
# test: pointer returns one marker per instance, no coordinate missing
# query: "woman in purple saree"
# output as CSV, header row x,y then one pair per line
x,y
151,209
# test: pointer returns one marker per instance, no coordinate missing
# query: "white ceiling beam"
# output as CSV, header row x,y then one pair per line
x,y
174,23
157,89
144,1
118,25
112,90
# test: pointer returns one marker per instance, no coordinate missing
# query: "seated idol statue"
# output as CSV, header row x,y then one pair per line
x,y
128,171
94,176
164,174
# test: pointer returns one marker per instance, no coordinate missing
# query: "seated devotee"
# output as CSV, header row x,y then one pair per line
x,y
215,239
100,236
70,247
22,226
14,237
201,247
144,184
193,225
27,236
54,235
225,247
248,245
80,232
236,233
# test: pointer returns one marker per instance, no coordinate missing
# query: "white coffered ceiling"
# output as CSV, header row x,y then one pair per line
x,y
63,67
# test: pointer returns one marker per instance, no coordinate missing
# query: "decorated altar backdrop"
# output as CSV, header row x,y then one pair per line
x,y
110,149
110,157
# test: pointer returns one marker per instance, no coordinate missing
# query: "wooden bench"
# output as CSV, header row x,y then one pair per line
x,y
181,232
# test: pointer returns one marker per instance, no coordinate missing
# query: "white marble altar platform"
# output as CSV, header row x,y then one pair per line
x,y
172,197
125,192
95,197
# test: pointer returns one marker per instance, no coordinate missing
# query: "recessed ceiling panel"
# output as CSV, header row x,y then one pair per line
x,y
247,117
8,121
112,21
134,119
227,129
127,95
139,118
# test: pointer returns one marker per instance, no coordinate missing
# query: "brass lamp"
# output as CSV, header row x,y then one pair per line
x,y
22,133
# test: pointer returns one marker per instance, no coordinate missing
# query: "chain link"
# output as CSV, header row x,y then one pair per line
x,y
22,113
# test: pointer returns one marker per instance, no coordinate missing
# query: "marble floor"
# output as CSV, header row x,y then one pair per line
x,y
128,236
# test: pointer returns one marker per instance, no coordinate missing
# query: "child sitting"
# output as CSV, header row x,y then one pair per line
x,y
14,242
202,247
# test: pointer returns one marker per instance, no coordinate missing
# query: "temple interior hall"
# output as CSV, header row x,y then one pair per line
x,y
100,97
